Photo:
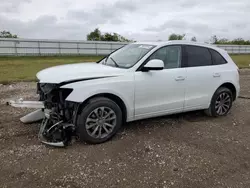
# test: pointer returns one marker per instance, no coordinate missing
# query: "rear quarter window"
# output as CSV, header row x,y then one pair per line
x,y
217,58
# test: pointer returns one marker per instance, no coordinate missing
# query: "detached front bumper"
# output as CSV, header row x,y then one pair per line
x,y
26,104
33,116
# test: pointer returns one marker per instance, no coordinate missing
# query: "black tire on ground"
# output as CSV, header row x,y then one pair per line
x,y
211,111
93,104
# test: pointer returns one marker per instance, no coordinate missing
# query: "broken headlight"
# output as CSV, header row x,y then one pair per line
x,y
47,87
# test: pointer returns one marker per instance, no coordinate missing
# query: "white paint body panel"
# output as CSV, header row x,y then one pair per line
x,y
63,73
201,84
121,86
159,92
147,94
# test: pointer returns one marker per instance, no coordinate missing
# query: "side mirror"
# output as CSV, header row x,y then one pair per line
x,y
154,64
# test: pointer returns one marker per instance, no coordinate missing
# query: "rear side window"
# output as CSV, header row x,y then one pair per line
x,y
217,58
198,56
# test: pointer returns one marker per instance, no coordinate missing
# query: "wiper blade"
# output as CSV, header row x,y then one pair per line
x,y
106,59
114,62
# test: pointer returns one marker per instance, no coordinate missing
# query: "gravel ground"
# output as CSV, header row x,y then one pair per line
x,y
185,150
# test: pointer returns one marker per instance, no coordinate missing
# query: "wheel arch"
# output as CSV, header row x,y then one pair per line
x,y
230,86
112,97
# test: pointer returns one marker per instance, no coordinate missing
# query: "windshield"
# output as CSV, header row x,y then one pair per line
x,y
128,55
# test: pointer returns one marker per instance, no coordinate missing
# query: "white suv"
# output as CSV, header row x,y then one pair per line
x,y
137,81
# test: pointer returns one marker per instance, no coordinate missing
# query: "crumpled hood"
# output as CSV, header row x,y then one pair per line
x,y
77,71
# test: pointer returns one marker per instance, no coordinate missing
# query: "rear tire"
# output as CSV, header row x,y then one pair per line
x,y
221,102
99,120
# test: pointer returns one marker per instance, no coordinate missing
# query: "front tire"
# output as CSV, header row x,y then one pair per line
x,y
221,102
99,120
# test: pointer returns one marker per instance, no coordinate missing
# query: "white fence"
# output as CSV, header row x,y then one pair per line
x,y
236,49
31,47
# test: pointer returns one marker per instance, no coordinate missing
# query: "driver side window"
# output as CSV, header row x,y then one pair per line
x,y
170,55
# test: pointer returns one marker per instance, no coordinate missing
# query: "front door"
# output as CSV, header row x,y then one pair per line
x,y
161,92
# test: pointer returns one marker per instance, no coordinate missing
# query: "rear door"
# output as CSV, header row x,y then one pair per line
x,y
202,77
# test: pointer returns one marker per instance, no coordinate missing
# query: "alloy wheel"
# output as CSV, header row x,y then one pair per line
x,y
223,103
101,122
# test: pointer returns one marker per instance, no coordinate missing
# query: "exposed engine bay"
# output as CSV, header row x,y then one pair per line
x,y
58,125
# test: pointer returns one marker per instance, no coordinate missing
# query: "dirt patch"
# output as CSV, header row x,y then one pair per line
x,y
184,150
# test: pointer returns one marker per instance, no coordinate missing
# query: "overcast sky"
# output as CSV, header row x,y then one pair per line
x,y
141,20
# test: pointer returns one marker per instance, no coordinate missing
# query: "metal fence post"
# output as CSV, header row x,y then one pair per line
x,y
78,50
39,50
59,46
96,49
15,42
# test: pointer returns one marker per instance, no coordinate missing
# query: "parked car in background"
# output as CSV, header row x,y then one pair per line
x,y
138,81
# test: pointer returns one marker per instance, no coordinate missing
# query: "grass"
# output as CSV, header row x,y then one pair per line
x,y
243,61
25,68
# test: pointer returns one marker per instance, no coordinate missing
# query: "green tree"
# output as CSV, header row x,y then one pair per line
x,y
7,34
96,35
109,37
237,41
194,39
174,36
240,41
123,39
223,41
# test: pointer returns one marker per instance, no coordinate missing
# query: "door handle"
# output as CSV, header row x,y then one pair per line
x,y
216,75
179,78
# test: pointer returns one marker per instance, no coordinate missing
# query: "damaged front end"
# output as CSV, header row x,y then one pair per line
x,y
58,115
58,125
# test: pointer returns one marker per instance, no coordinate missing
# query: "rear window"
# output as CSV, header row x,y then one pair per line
x,y
217,58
